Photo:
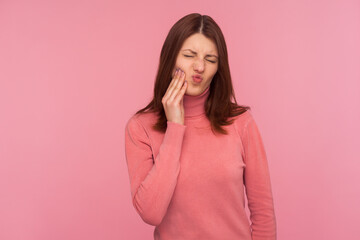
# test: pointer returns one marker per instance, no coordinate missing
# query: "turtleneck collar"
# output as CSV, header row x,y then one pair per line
x,y
195,105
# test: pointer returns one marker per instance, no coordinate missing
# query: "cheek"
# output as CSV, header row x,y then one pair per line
x,y
181,66
212,72
215,70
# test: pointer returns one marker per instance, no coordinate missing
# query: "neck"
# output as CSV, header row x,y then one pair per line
x,y
195,105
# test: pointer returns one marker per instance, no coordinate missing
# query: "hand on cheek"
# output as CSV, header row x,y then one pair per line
x,y
173,74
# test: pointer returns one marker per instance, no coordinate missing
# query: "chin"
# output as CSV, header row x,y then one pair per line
x,y
189,91
193,91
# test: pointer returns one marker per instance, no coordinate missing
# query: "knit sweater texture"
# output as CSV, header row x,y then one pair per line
x,y
191,184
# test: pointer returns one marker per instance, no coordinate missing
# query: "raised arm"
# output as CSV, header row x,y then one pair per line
x,y
152,182
257,183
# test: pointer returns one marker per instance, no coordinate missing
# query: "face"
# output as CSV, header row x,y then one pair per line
x,y
197,56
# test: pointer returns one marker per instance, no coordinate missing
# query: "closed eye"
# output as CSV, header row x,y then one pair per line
x,y
206,59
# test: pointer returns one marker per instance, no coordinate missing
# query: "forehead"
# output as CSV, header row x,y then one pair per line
x,y
199,43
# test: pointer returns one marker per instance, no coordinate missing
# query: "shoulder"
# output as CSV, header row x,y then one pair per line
x,y
141,121
243,118
241,121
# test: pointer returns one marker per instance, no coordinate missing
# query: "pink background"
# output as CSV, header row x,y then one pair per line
x,y
72,73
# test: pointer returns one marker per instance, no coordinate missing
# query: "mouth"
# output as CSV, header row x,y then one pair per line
x,y
197,78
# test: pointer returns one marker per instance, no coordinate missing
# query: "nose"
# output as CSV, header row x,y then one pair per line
x,y
199,65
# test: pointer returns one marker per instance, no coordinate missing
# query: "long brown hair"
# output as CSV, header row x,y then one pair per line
x,y
218,106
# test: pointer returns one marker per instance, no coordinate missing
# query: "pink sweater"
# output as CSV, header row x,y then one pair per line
x,y
189,183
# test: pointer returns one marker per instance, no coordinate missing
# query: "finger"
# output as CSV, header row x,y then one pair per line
x,y
177,87
175,78
179,96
173,88
169,90
174,72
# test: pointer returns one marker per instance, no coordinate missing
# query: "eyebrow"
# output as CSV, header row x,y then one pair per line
x,y
210,55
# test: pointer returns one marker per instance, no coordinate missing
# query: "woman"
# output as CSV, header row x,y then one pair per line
x,y
191,150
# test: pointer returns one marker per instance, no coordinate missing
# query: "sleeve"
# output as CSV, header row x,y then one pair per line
x,y
152,182
257,183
